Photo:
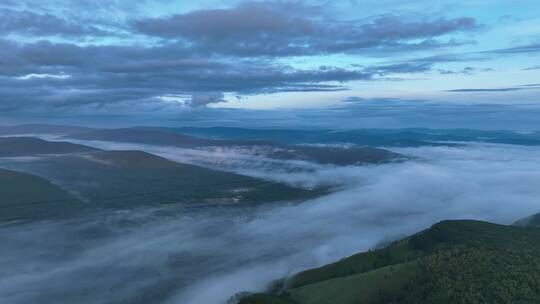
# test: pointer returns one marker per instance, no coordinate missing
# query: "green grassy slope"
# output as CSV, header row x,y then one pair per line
x,y
451,262
356,288
24,196
359,263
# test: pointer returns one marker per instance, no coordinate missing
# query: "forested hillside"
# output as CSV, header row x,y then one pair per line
x,y
451,262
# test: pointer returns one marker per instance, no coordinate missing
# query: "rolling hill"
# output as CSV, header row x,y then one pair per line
x,y
156,136
319,154
30,146
335,155
24,196
41,129
126,179
58,171
460,261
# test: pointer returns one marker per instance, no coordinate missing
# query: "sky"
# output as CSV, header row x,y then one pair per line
x,y
153,60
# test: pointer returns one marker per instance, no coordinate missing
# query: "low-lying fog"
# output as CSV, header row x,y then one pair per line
x,y
199,255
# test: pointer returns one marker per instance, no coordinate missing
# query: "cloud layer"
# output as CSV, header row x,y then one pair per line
x,y
290,29
207,255
80,63
77,57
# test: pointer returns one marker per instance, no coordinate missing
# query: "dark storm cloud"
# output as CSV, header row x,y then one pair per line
x,y
33,24
289,29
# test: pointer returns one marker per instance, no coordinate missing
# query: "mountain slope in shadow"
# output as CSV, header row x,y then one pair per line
x,y
126,179
31,146
24,196
42,129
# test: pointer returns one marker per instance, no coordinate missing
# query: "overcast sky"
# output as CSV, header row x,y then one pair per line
x,y
65,58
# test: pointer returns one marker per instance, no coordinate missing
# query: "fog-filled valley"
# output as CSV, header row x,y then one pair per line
x,y
204,221
269,152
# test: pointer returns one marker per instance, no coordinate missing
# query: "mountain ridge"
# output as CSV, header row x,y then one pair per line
x,y
426,267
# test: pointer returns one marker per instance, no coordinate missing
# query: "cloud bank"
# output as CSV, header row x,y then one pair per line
x,y
136,62
200,255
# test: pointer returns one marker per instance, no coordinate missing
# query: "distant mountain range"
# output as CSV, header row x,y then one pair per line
x,y
157,136
319,154
313,145
125,179
412,137
370,137
91,179
460,261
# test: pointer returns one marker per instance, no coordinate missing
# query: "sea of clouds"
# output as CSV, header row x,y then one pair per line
x,y
206,255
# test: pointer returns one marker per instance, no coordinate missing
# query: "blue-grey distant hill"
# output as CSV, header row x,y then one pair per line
x,y
411,137
30,146
157,136
41,129
271,148
370,137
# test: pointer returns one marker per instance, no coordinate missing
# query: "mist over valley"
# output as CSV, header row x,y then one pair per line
x,y
201,224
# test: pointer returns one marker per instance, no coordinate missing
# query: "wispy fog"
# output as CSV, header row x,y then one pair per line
x,y
205,255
